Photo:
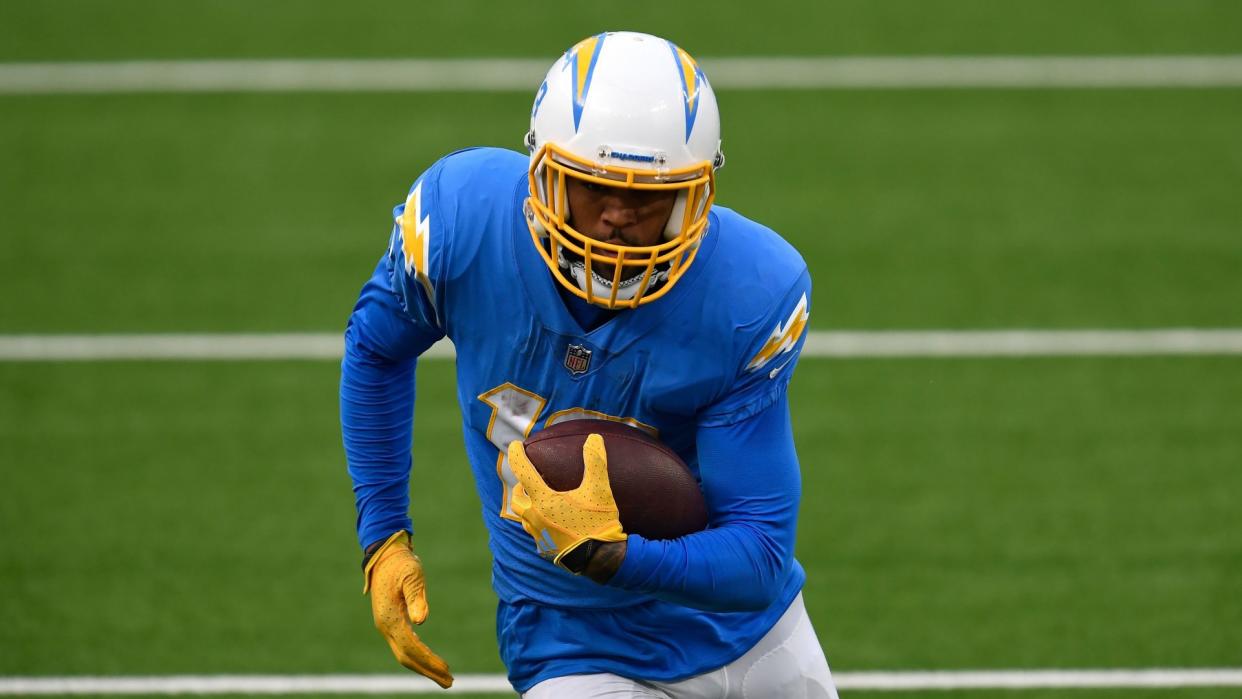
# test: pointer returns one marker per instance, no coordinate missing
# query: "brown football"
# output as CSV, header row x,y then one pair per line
x,y
657,496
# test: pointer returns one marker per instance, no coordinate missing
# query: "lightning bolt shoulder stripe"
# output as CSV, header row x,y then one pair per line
x,y
783,338
416,240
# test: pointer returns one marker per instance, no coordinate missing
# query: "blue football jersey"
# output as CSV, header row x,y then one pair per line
x,y
716,351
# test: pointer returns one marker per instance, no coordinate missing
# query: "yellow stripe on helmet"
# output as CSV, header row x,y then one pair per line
x,y
690,74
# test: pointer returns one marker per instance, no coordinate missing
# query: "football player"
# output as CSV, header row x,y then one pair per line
x,y
593,277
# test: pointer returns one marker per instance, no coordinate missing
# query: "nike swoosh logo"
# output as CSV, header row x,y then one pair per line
x,y
772,374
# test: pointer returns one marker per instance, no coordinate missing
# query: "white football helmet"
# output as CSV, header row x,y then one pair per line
x,y
627,110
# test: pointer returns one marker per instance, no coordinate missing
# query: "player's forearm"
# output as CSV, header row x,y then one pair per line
x,y
727,569
750,477
377,402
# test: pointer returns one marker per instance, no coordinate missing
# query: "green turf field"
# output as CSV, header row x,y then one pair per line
x,y
138,29
1025,513
194,518
917,209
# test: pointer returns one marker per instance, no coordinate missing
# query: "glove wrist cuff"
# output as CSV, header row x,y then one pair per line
x,y
369,552
372,555
577,559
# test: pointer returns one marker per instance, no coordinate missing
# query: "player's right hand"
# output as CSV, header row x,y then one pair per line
x,y
394,576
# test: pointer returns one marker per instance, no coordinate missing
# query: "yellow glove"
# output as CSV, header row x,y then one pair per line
x,y
394,576
562,521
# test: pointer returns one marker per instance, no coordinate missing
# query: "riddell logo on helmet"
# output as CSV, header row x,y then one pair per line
x,y
632,156
605,152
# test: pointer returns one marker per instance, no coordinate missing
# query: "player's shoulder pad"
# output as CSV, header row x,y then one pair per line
x,y
783,331
755,268
449,205
760,292
768,289
441,224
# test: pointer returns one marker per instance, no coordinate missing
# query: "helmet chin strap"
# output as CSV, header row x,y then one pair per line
x,y
627,289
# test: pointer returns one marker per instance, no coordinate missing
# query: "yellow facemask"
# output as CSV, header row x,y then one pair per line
x,y
641,274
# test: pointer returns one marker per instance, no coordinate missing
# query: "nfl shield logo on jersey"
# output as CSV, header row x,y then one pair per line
x,y
577,359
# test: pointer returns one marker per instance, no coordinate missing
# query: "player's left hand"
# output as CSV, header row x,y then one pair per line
x,y
561,521
394,576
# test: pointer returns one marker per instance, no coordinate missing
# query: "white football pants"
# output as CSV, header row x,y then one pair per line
x,y
787,663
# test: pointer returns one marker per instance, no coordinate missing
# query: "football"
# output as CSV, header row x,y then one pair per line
x,y
657,496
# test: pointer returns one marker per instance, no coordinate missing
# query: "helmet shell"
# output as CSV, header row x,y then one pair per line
x,y
628,110
628,99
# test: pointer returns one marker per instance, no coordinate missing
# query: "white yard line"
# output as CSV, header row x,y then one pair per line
x,y
1040,679
1022,343
410,684
250,684
832,344
523,74
226,347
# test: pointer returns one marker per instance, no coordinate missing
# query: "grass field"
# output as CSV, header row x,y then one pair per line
x,y
191,518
